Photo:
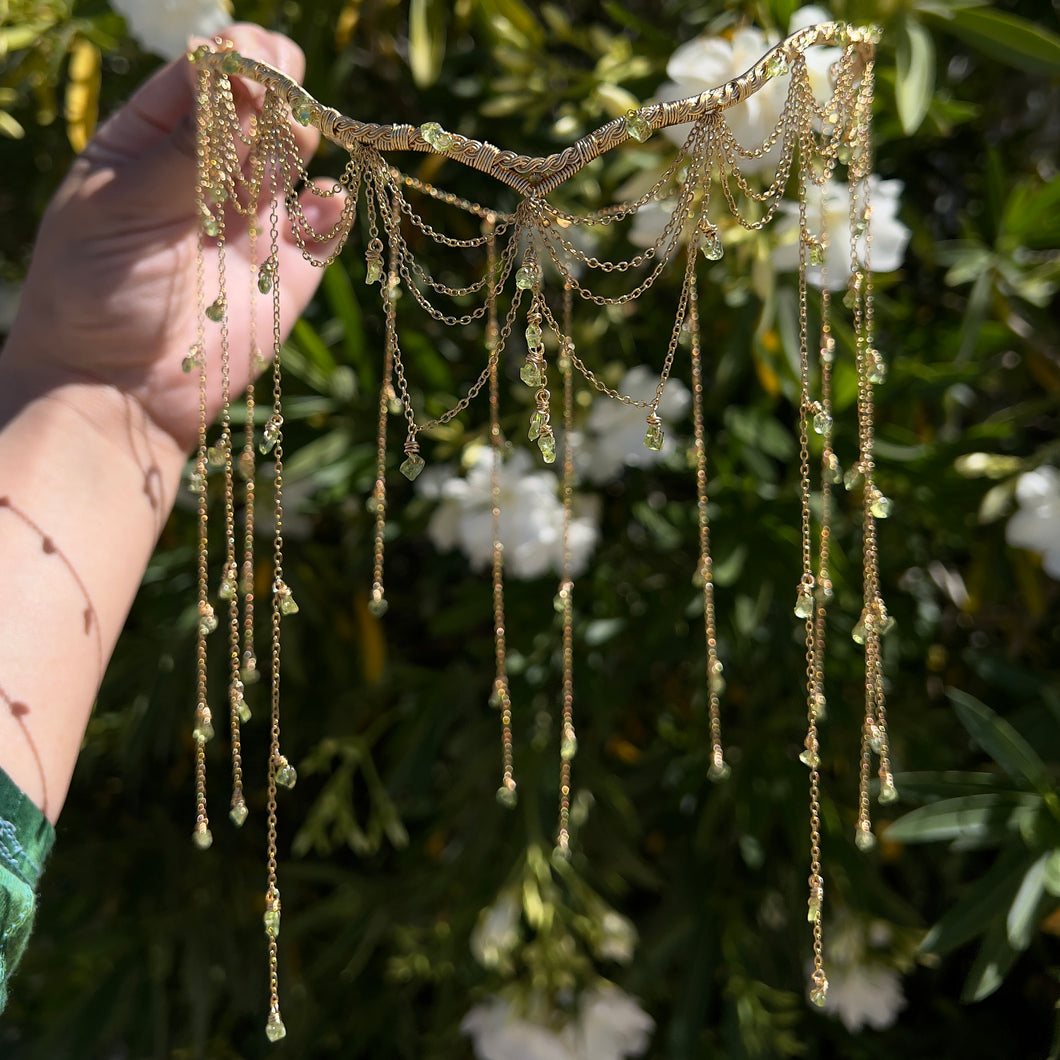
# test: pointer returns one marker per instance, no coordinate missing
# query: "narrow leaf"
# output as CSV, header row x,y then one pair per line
x,y
1008,38
980,817
991,966
1022,914
1001,741
916,74
426,40
981,905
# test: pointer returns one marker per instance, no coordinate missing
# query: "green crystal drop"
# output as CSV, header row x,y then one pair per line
x,y
238,813
711,246
199,53
531,374
881,506
863,837
374,272
275,1031
245,465
776,66
637,127
533,335
196,482
207,620
526,277
810,759
506,794
202,837
860,631
718,771
193,359
816,256
243,710
653,436
272,923
568,746
814,903
215,311
217,455
211,227
249,673
547,444
266,274
851,478
230,63
804,603
302,112
288,604
270,436
436,136
822,421
203,731
716,683
228,587
850,299
538,422
878,370
286,774
378,606
412,465
819,992
888,792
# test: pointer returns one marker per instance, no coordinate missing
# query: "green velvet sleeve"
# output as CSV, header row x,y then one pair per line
x,y
26,838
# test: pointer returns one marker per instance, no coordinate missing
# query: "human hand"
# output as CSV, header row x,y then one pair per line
x,y
111,294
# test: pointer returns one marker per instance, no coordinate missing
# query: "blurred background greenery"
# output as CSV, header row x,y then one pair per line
x,y
396,846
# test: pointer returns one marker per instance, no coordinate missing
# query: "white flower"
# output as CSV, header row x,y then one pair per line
x,y
497,932
531,521
708,62
864,995
164,26
1036,524
610,1025
614,434
889,235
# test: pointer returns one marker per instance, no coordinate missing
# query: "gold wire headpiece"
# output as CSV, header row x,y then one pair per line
x,y
256,171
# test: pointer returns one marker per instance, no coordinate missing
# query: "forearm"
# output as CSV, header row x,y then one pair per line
x,y
86,481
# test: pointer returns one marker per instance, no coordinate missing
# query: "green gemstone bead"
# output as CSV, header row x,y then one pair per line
x,y
654,437
777,66
288,604
711,247
568,746
637,127
506,795
193,359
538,422
810,759
211,227
266,274
272,923
822,421
230,63
286,774
526,277
302,112
436,136
533,336
202,837
378,606
816,254
718,771
547,444
238,813
412,465
804,604
274,1029
819,992
207,620
215,311
881,506
863,837
888,792
531,374
374,270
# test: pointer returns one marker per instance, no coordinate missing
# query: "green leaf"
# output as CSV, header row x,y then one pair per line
x,y
1001,741
916,74
917,787
1051,875
983,818
991,966
1022,914
1008,38
426,40
981,905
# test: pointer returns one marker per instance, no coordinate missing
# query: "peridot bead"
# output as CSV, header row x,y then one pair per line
x,y
238,813
215,311
436,136
526,277
637,127
531,374
412,465
547,444
654,437
506,794
274,1029
202,837
230,63
711,247
286,774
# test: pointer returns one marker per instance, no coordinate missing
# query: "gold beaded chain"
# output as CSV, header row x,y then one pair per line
x,y
810,141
